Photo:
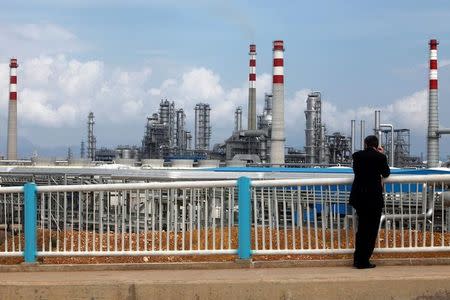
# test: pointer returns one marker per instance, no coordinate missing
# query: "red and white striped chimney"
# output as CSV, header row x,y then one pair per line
x,y
12,111
252,90
433,116
277,142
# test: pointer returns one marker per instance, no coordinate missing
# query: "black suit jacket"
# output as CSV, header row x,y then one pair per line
x,y
367,191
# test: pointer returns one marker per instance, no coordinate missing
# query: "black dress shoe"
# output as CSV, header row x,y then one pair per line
x,y
364,266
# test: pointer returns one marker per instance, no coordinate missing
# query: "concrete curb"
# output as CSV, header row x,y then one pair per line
x,y
238,264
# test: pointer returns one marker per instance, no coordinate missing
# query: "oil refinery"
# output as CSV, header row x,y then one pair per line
x,y
167,140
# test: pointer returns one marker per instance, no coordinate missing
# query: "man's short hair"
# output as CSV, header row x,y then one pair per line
x,y
371,141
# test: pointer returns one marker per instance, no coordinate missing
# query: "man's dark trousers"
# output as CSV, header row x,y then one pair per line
x,y
368,224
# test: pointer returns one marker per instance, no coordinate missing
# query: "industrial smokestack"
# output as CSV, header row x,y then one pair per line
x,y
363,134
91,146
377,129
277,143
252,89
12,111
238,119
433,118
353,134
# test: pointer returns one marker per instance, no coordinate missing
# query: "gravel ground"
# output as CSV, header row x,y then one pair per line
x,y
205,240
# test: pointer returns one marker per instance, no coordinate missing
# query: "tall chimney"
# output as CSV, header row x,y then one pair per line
x,y
277,143
433,117
92,141
252,89
377,128
353,134
363,134
12,111
238,119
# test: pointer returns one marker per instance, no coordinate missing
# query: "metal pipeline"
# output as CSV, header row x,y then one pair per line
x,y
425,214
443,131
377,130
253,133
392,141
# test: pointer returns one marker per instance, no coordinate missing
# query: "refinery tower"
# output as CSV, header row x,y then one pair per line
x,y
12,111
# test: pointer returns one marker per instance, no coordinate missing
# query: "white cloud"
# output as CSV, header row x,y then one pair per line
x,y
407,112
202,84
56,92
29,40
42,32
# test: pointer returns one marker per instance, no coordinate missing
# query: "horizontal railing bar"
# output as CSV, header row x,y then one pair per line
x,y
11,189
347,181
136,186
225,183
11,253
349,250
137,253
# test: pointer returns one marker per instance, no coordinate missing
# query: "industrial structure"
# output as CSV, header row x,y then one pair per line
x,y
322,148
401,146
202,131
238,119
256,145
12,111
338,149
263,140
252,89
265,119
165,133
277,136
434,131
314,130
92,141
82,149
250,145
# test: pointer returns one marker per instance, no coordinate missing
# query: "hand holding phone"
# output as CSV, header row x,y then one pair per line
x,y
380,149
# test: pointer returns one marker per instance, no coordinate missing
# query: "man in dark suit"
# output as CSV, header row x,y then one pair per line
x,y
366,196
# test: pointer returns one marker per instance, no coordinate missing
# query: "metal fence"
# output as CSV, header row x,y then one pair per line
x,y
312,216
11,221
137,219
302,216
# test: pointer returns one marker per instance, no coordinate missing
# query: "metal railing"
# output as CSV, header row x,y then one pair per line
x,y
302,216
137,219
312,216
11,221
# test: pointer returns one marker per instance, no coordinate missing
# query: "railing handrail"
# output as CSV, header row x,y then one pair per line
x,y
11,189
225,183
349,180
136,186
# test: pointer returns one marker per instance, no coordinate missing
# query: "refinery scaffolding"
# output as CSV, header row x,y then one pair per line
x,y
252,145
202,126
338,149
92,141
165,133
402,144
316,146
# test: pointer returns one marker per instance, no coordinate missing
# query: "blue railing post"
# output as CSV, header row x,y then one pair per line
x,y
30,200
244,247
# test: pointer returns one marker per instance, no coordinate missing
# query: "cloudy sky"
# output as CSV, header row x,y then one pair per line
x,y
118,59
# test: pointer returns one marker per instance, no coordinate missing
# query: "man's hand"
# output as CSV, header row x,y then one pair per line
x,y
380,149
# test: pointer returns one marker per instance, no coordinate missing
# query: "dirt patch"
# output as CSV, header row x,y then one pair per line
x,y
81,241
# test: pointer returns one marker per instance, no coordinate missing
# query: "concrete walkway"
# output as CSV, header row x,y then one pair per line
x,y
339,282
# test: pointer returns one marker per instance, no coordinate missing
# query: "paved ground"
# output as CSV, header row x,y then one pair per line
x,y
338,282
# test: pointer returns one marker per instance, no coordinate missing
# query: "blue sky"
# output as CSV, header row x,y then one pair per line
x,y
118,59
